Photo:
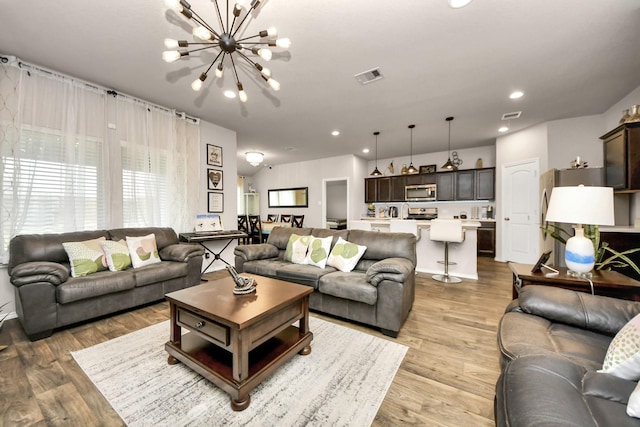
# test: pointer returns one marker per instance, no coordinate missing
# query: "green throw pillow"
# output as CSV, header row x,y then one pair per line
x,y
345,255
296,248
623,355
143,250
117,255
85,257
318,252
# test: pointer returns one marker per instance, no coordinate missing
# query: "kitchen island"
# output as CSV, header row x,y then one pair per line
x,y
430,254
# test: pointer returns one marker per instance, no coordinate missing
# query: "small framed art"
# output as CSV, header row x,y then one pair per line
x,y
428,169
214,155
216,202
214,179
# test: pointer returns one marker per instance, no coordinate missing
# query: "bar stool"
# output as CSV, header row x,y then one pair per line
x,y
447,231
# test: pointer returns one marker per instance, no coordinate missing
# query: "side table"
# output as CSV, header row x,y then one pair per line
x,y
606,283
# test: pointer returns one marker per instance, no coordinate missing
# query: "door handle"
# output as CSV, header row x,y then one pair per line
x,y
506,218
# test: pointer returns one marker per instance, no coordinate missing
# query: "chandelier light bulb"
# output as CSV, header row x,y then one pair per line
x,y
275,85
170,55
266,72
241,93
174,4
284,43
197,84
219,70
263,53
170,43
202,33
272,32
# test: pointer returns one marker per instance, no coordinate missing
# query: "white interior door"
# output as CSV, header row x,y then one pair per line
x,y
521,211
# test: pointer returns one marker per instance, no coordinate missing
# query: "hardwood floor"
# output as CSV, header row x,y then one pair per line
x,y
446,379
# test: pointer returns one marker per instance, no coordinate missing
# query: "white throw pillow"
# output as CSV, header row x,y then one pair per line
x,y
296,248
345,255
117,254
623,356
318,252
633,406
143,250
85,257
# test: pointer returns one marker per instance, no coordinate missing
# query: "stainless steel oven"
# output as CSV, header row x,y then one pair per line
x,y
423,192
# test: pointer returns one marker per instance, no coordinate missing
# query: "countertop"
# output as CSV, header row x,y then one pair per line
x,y
620,229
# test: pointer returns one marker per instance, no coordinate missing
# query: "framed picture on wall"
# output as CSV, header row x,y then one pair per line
x,y
214,179
216,202
428,168
214,155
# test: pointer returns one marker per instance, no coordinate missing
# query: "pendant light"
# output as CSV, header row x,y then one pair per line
x,y
449,165
411,168
376,172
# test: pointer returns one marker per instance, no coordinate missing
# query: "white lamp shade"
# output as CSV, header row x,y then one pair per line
x,y
581,205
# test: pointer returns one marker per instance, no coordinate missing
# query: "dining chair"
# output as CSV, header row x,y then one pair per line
x,y
255,229
272,217
297,220
285,218
243,225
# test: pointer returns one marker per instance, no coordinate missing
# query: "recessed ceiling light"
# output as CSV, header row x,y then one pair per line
x,y
229,94
335,133
366,150
503,129
457,4
517,94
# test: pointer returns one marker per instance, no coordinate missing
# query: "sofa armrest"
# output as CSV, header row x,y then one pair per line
x,y
254,252
180,252
598,313
39,271
394,269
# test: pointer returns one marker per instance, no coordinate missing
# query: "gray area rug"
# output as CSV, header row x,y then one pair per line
x,y
341,383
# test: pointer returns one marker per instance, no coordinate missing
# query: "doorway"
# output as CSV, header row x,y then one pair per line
x,y
335,199
521,211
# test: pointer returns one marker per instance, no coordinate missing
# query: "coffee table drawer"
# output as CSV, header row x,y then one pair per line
x,y
208,327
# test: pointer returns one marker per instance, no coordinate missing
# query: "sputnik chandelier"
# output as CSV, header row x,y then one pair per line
x,y
226,42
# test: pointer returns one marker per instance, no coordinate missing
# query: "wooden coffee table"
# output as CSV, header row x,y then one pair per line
x,y
236,341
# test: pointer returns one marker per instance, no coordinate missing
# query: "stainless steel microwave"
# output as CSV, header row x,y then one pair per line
x,y
423,192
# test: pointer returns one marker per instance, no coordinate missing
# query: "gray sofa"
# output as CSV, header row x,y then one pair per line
x,y
379,292
47,297
552,341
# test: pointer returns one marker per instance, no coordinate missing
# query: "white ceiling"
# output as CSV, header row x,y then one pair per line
x,y
571,58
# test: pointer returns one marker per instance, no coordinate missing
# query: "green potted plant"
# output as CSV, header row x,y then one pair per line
x,y
606,257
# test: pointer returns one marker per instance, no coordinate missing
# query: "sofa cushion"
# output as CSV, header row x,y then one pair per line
x,y
116,254
385,245
297,248
352,286
143,250
95,285
318,252
34,272
85,257
623,354
264,267
584,347
279,236
551,390
303,274
154,273
345,255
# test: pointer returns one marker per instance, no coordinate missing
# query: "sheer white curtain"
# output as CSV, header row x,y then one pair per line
x,y
76,158
52,171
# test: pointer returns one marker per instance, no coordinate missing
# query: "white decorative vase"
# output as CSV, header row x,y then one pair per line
x,y
579,254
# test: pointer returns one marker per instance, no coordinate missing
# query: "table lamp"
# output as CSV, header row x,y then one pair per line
x,y
581,205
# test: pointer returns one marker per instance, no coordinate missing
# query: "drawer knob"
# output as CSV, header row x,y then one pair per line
x,y
200,324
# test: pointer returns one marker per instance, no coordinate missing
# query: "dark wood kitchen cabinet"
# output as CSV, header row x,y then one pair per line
x,y
446,186
465,184
622,157
485,184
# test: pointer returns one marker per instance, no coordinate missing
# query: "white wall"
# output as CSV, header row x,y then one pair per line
x,y
310,174
225,138
574,137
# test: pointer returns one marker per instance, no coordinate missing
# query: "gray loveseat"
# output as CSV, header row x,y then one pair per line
x,y
552,342
47,297
379,292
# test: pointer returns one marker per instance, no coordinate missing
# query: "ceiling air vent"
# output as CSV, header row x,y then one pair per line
x,y
514,115
369,76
